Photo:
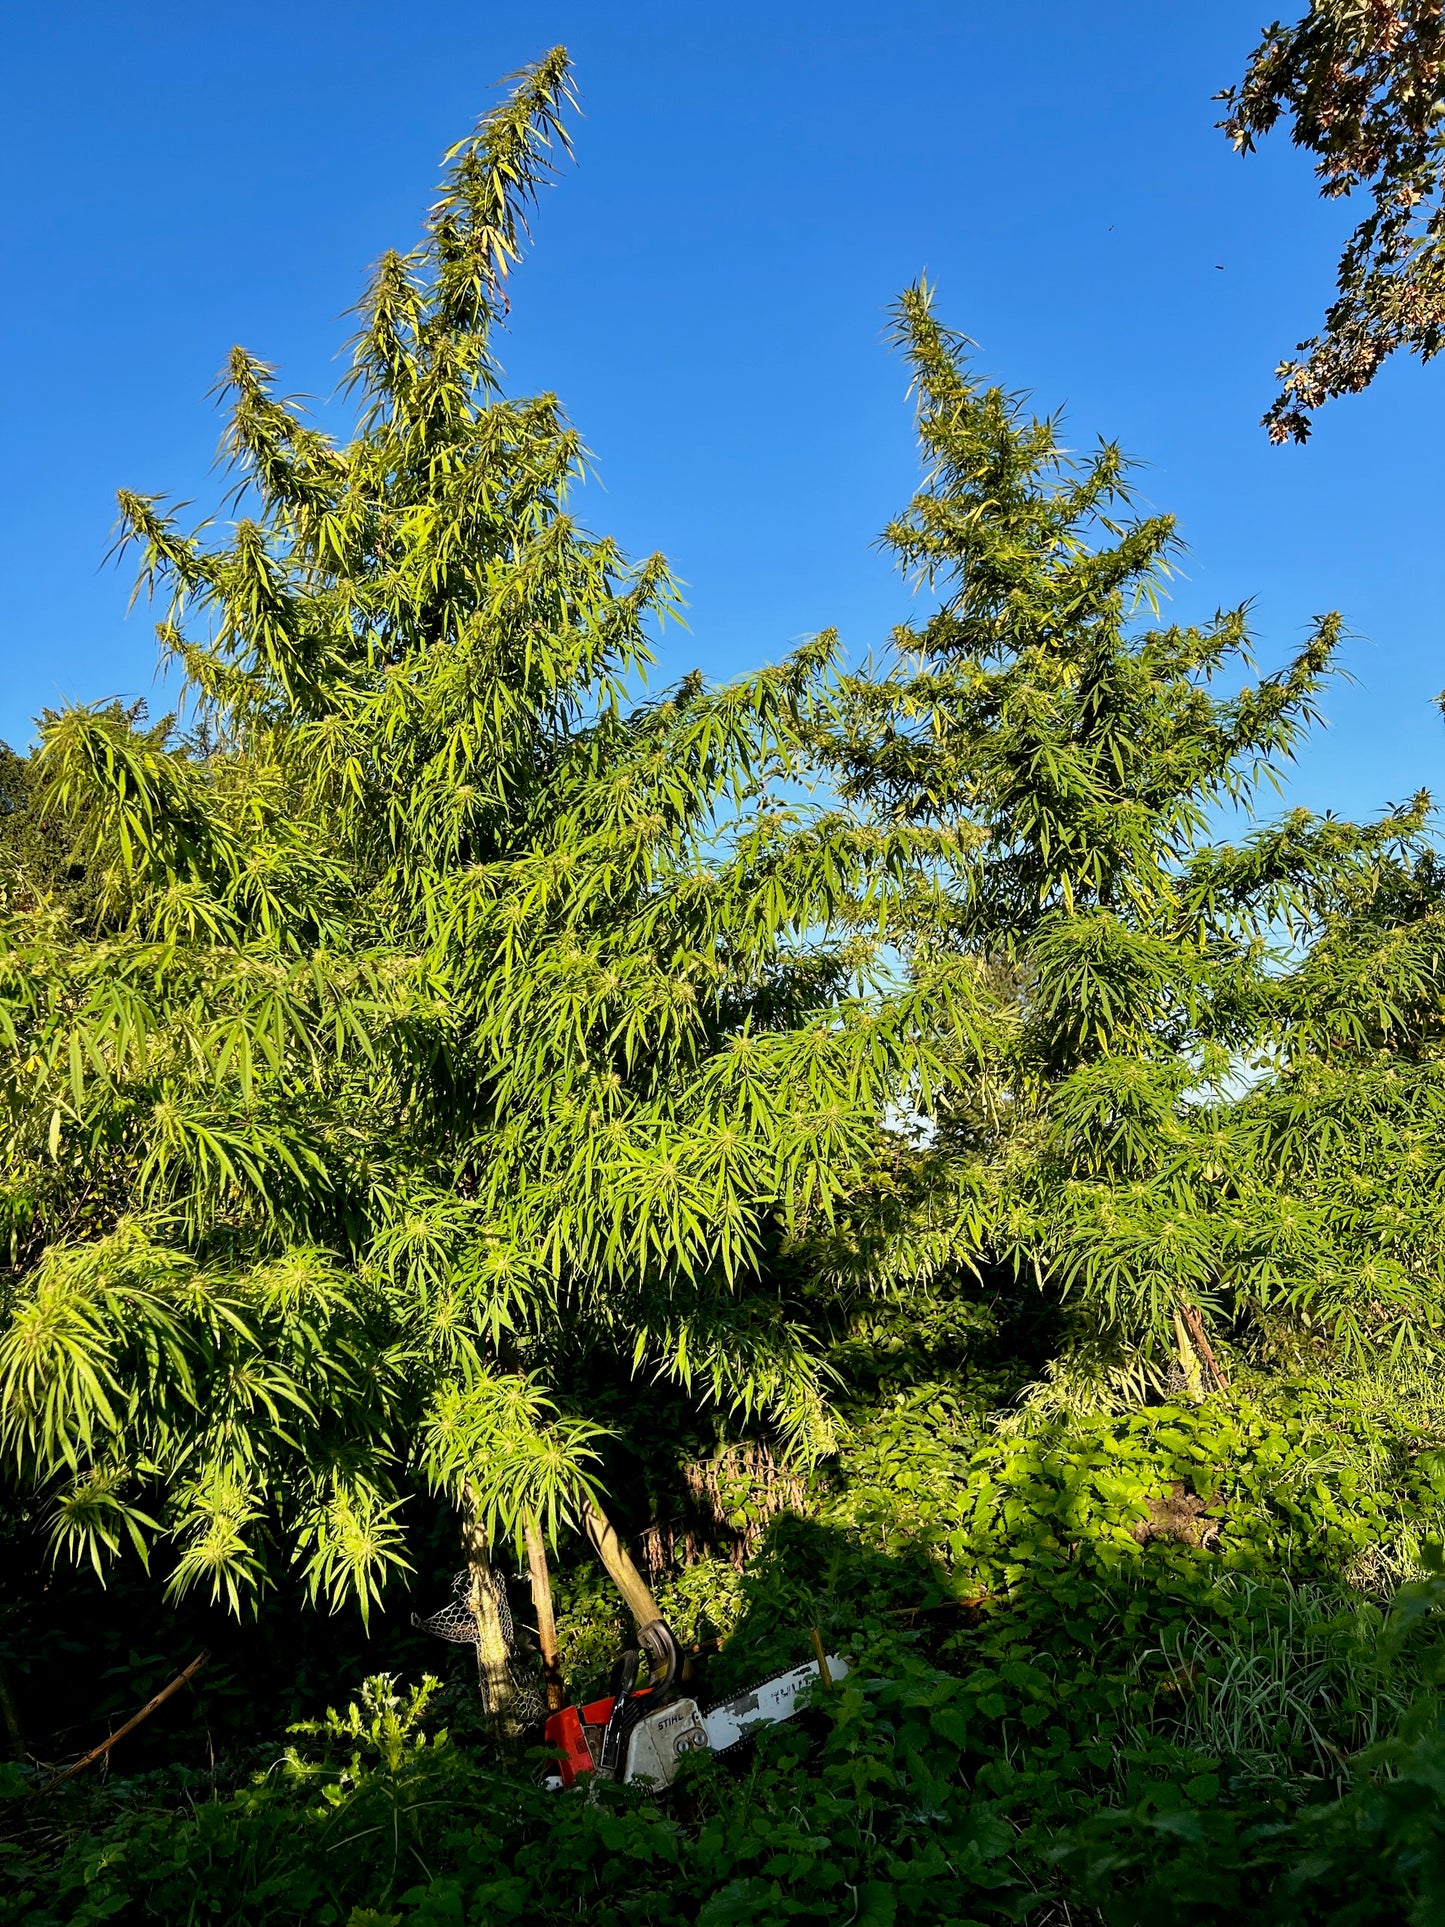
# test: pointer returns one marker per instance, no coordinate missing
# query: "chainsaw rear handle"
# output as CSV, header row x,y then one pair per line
x,y
623,1717
629,1705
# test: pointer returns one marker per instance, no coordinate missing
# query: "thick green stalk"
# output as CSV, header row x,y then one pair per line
x,y
618,1561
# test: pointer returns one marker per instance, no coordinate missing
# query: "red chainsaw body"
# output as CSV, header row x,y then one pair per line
x,y
567,1732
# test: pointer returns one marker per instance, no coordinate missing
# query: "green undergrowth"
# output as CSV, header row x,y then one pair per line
x,y
1041,1756
1298,1477
1131,1667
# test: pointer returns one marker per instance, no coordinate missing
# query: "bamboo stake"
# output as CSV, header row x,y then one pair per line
x,y
1195,1325
546,1618
159,1699
820,1653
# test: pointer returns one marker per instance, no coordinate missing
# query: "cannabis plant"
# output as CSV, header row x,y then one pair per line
x,y
1215,1106
442,1007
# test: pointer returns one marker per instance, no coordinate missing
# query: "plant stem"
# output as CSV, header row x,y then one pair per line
x,y
1188,1358
1195,1326
546,1619
494,1672
618,1561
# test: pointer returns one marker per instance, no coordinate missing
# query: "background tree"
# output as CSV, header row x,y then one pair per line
x,y
1363,86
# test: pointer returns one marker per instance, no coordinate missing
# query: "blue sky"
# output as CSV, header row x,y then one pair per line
x,y
708,294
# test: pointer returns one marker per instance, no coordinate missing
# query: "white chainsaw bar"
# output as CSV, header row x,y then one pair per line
x,y
661,1739
776,1699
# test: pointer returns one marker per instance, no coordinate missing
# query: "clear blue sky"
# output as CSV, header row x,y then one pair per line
x,y
708,292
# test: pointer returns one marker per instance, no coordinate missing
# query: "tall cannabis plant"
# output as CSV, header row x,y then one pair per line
x,y
1219,1049
442,1009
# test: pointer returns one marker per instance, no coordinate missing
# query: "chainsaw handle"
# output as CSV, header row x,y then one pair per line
x,y
664,1662
623,1717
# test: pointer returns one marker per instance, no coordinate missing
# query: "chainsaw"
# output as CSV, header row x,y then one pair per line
x,y
644,1733
640,1733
